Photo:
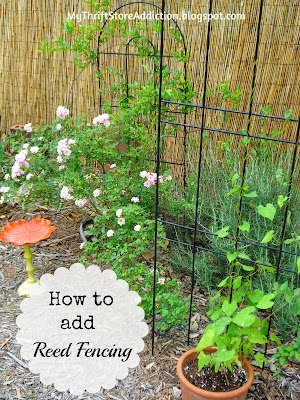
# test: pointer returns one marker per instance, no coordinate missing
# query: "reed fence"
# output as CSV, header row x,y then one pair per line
x,y
34,84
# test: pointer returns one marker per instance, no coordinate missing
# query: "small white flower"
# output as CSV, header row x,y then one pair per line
x,y
34,149
6,177
25,146
161,281
137,228
110,233
28,127
143,174
119,212
80,202
58,127
4,189
112,166
96,192
135,200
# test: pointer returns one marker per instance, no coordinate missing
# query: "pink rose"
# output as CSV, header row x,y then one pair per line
x,y
143,174
110,233
62,112
96,192
34,149
28,127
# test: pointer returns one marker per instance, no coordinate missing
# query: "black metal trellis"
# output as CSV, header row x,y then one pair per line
x,y
203,107
203,128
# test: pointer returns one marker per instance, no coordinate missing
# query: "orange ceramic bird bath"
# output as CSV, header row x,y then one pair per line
x,y
25,233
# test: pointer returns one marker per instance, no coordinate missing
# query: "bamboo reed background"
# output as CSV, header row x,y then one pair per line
x,y
33,84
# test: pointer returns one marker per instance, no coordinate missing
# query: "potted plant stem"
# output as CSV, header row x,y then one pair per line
x,y
239,323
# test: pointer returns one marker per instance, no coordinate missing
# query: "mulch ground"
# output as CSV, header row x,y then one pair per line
x,y
154,378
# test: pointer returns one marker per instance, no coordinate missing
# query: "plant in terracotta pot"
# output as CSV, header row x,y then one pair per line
x,y
217,368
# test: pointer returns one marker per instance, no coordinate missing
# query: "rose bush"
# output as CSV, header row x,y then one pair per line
x,y
74,161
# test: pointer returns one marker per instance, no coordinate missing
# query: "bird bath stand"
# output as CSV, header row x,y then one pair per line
x,y
25,233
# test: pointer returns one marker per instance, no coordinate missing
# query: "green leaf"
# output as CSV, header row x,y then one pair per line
x,y
225,355
255,295
215,297
268,211
260,358
257,337
281,200
220,325
265,302
231,256
223,282
288,241
268,237
238,295
252,194
245,226
203,359
208,339
265,327
234,178
229,308
298,264
243,318
247,268
274,338
216,314
288,115
243,255
237,282
223,232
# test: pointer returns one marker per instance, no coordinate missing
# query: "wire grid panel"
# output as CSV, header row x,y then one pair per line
x,y
249,117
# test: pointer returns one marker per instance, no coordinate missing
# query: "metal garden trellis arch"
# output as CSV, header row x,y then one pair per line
x,y
203,128
162,9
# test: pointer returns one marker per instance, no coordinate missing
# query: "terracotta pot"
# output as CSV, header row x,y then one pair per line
x,y
191,392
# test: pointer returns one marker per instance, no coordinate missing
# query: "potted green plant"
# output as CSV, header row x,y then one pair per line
x,y
239,323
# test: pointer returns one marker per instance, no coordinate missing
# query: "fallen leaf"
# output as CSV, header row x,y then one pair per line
x,y
2,216
194,335
148,255
176,392
150,365
18,393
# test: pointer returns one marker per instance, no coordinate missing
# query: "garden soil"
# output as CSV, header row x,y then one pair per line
x,y
154,378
